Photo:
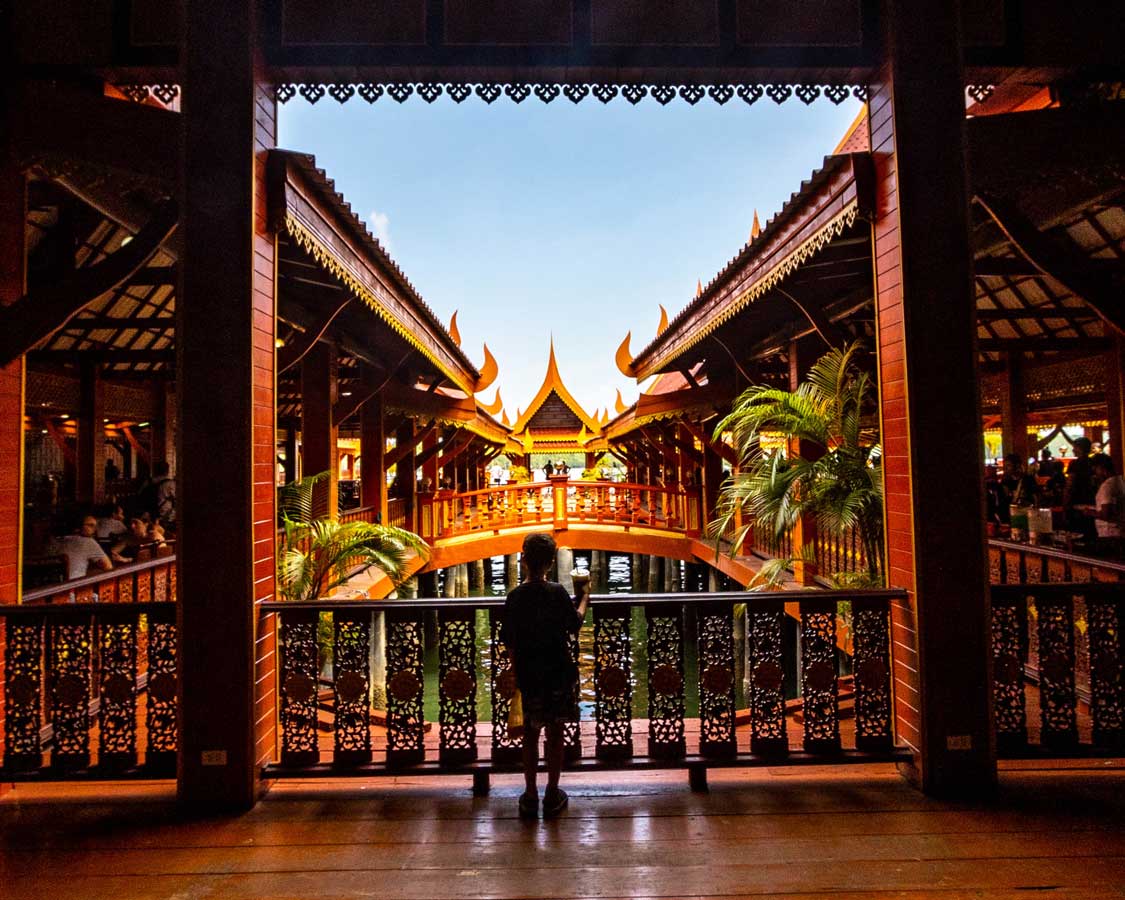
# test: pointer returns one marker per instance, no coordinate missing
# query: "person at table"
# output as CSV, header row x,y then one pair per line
x,y
1021,487
83,554
1080,489
1109,505
126,550
111,522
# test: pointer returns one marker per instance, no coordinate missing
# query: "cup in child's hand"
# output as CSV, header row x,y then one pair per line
x,y
581,579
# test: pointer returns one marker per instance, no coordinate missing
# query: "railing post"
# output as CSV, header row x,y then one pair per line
x,y
161,708
406,726
818,676
612,689
351,677
505,748
767,678
716,680
665,681
693,512
559,485
1008,700
298,679
1057,696
872,666
457,685
23,696
427,519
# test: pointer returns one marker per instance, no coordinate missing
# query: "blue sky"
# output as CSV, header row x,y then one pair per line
x,y
571,220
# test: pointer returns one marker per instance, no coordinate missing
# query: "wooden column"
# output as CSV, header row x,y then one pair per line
x,y
1013,408
13,213
318,433
291,467
225,330
90,483
926,356
802,355
164,427
1115,400
430,469
406,484
372,447
712,480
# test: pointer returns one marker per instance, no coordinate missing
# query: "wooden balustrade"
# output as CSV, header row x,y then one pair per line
x,y
1065,639
562,504
1011,562
90,690
838,554
463,742
397,512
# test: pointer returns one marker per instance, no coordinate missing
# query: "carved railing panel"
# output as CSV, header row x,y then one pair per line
x,y
818,676
405,682
1057,698
163,658
1107,686
1009,701
666,702
715,628
457,685
298,680
23,698
613,690
505,747
117,691
351,676
767,679
70,647
871,622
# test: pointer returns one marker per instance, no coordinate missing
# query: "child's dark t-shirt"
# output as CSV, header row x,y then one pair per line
x,y
539,617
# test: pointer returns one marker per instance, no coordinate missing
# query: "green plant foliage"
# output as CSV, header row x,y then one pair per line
x,y
318,555
839,478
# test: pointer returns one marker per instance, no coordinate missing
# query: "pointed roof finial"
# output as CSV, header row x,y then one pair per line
x,y
755,228
698,288
454,331
663,320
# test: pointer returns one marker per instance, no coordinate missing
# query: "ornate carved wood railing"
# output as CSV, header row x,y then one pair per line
x,y
90,688
151,580
463,743
396,512
560,503
1067,638
1011,562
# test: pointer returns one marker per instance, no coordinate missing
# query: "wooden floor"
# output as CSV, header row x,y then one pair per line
x,y
859,832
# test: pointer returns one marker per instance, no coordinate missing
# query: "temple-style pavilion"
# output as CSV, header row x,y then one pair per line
x,y
177,289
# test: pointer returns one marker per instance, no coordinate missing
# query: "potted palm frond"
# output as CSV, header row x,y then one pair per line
x,y
836,475
319,555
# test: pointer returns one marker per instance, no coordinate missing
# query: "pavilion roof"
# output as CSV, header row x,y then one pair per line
x,y
553,408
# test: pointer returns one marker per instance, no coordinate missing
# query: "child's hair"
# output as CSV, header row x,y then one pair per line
x,y
539,551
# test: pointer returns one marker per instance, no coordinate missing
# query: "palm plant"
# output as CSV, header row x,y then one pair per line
x,y
835,474
318,555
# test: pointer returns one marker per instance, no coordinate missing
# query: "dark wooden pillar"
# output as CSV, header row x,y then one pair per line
x,y
431,472
926,356
13,213
318,433
90,483
802,355
291,466
1115,400
225,331
1013,408
164,427
406,485
372,447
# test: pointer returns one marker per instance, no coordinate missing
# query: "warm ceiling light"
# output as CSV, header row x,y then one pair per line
x,y
345,393
142,424
279,342
44,431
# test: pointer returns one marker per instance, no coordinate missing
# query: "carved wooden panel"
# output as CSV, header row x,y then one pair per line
x,y
161,721
716,680
1057,697
351,675
1107,687
613,690
871,620
298,679
457,685
117,691
505,748
818,676
767,679
405,680
23,678
71,651
665,681
1008,699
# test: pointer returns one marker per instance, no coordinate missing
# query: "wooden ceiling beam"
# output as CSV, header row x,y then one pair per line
x,y
43,310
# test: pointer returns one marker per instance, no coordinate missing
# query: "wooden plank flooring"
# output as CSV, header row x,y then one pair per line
x,y
1055,830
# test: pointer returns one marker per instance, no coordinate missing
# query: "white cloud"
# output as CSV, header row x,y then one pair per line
x,y
381,226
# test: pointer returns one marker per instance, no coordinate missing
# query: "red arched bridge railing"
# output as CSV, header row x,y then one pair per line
x,y
560,504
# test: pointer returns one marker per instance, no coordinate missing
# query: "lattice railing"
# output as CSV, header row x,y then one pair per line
x,y
364,743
